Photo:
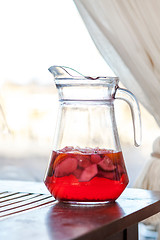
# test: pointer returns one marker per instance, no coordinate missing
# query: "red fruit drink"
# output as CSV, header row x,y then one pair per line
x,y
86,175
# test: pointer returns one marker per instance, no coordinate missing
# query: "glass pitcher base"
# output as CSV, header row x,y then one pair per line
x,y
90,204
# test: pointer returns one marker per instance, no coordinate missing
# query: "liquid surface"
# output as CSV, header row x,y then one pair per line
x,y
86,175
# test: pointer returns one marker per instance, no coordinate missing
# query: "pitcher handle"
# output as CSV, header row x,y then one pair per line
x,y
128,96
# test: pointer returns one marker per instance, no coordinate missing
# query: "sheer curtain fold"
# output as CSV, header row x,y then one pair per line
x,y
127,34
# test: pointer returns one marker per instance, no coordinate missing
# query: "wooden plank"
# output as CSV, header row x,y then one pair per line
x,y
17,199
12,196
14,203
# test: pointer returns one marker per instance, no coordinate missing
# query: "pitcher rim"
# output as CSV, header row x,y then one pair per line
x,y
61,73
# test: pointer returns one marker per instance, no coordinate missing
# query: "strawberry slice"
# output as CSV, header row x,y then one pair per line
x,y
77,173
120,169
110,175
88,173
66,167
95,158
67,149
106,164
86,150
83,160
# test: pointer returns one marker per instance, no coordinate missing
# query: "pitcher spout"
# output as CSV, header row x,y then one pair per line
x,y
59,72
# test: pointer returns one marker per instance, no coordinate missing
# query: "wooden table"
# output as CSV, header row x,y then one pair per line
x,y
27,211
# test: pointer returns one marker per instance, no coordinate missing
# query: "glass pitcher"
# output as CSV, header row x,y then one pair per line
x,y
86,164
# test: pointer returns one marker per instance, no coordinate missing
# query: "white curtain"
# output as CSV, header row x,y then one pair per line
x,y
127,34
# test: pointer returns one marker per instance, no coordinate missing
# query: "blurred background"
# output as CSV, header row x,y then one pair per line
x,y
35,35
